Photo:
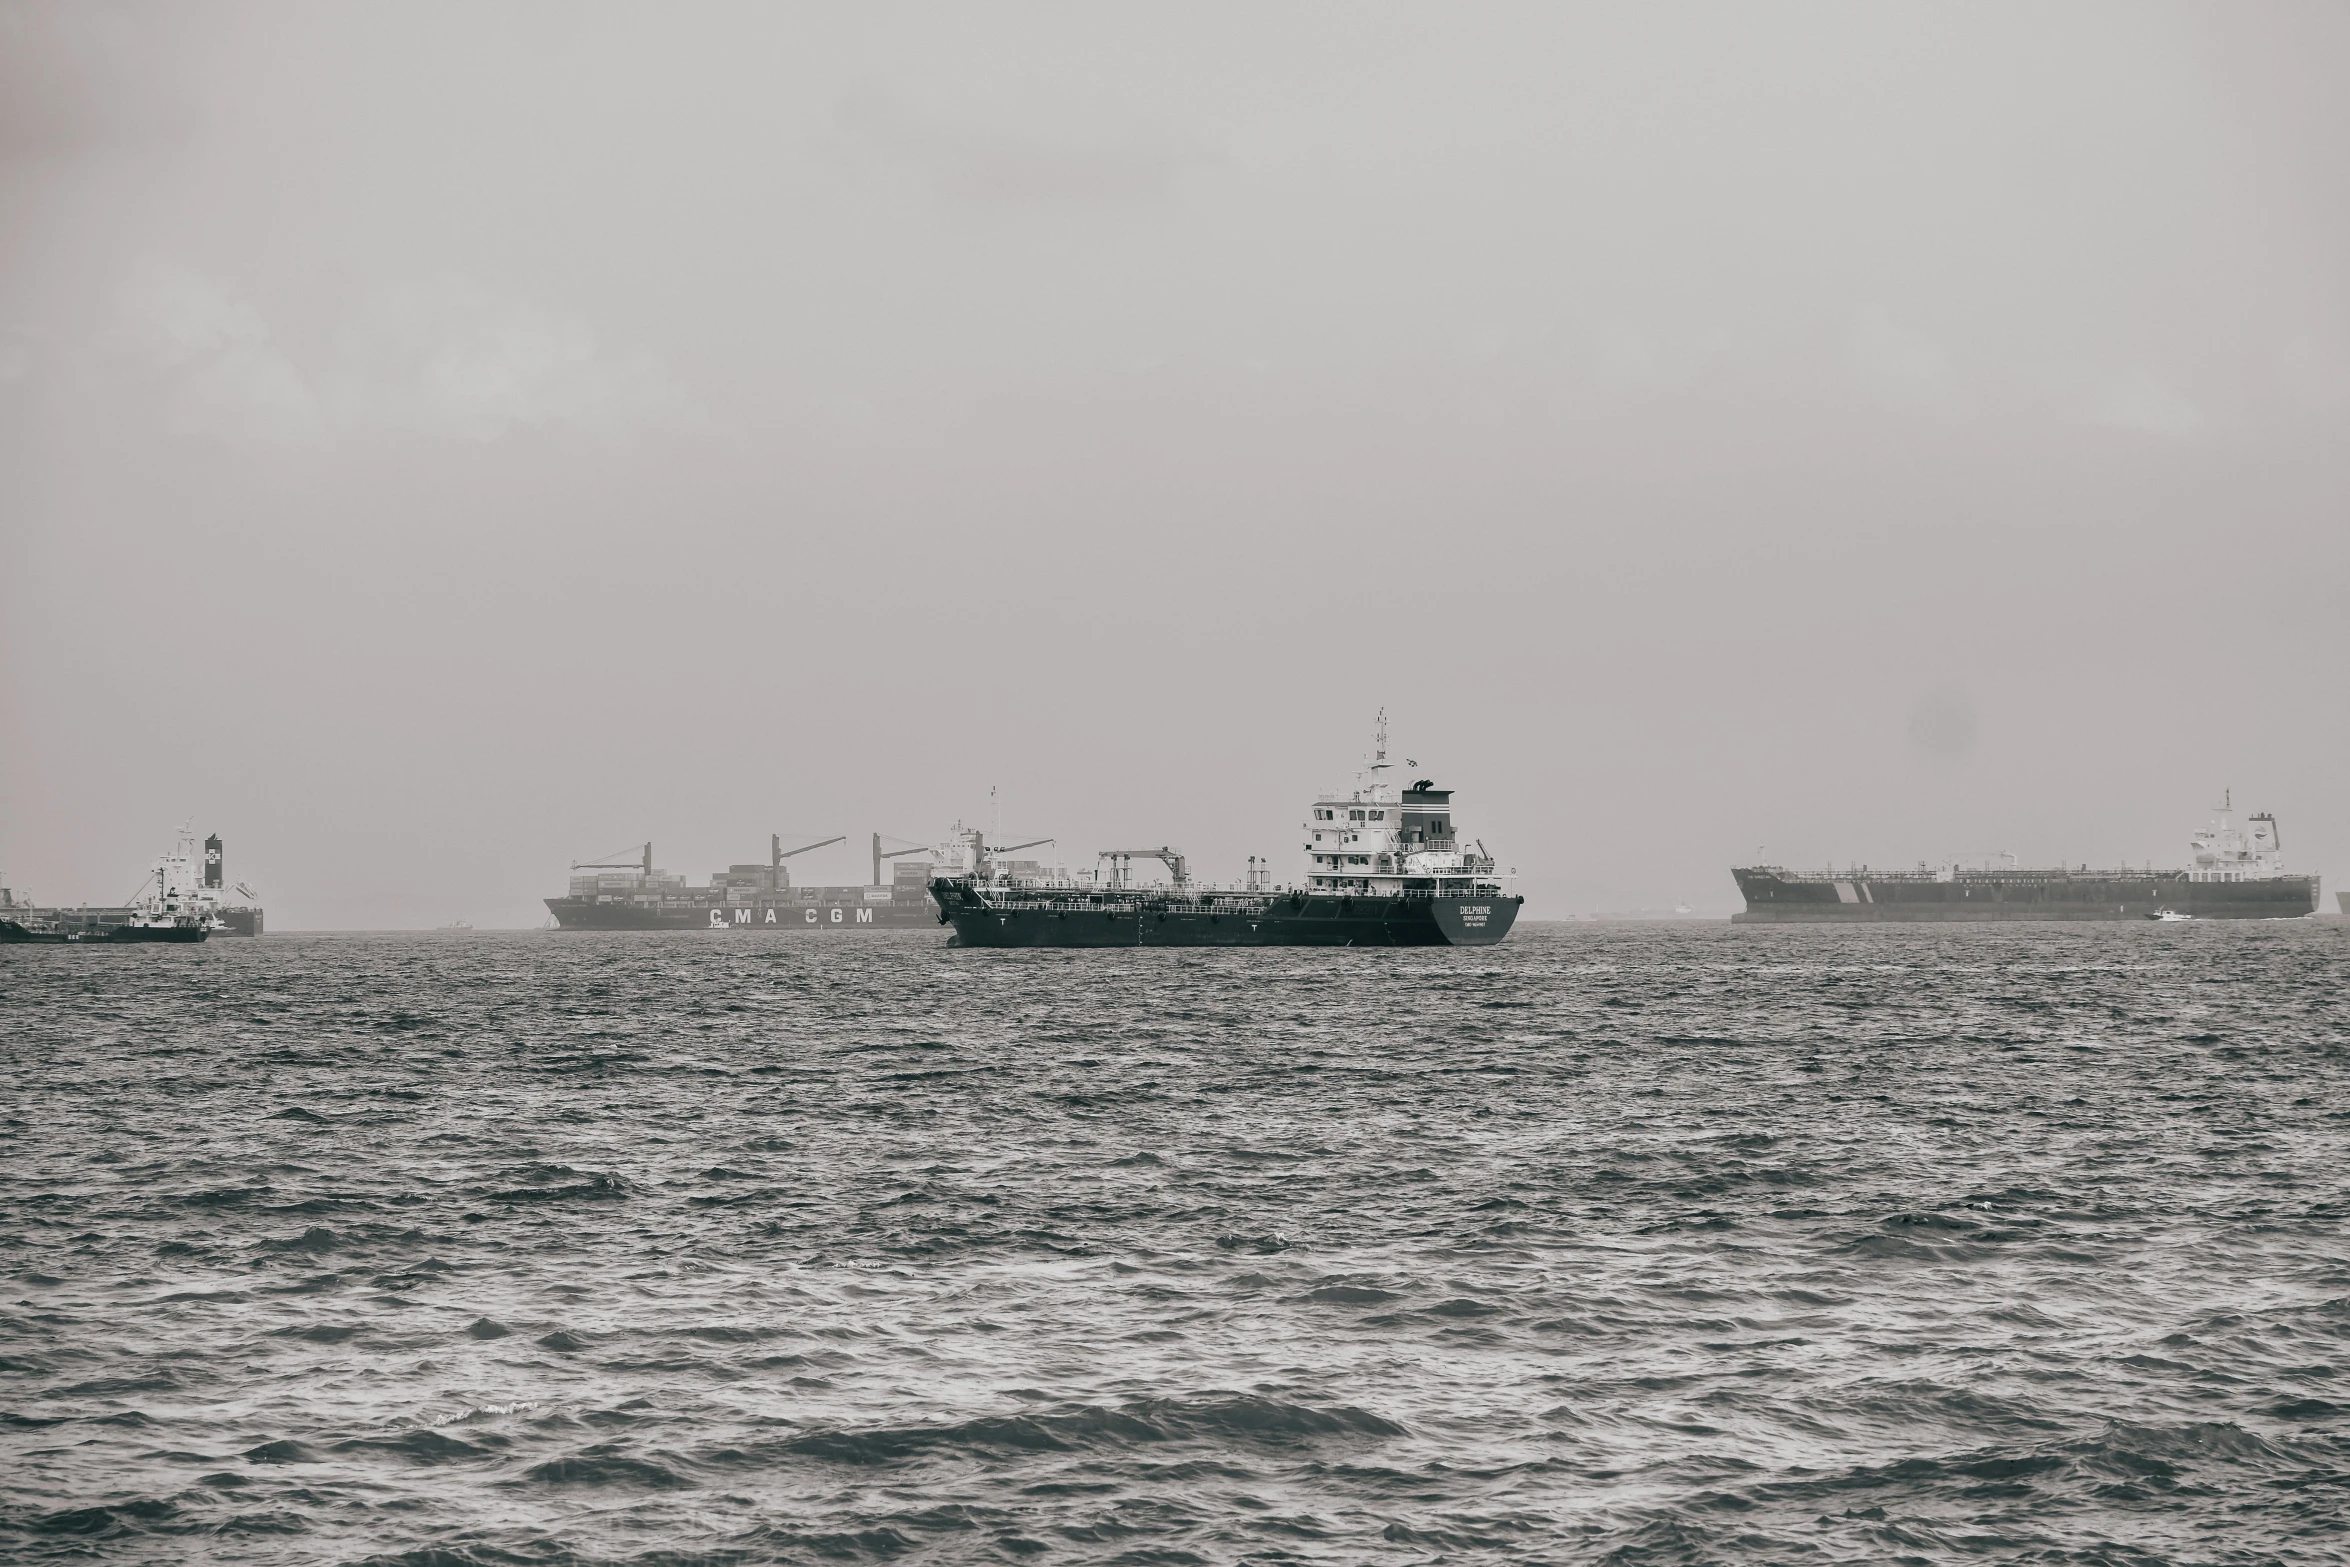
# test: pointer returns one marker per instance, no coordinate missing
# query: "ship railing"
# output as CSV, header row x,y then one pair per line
x,y
1219,901
1134,901
1944,875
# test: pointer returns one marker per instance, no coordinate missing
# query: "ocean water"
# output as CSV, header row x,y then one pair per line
x,y
1627,1244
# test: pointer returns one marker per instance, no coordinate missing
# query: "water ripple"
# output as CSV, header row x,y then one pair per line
x,y
1637,1245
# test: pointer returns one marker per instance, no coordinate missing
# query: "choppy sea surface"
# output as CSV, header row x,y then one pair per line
x,y
1632,1244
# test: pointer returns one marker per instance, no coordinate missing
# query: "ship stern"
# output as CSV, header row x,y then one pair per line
x,y
1475,922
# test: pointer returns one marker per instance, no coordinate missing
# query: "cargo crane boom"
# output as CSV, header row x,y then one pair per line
x,y
1015,848
618,865
777,853
880,854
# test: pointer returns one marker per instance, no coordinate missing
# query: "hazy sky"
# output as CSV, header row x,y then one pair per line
x,y
437,443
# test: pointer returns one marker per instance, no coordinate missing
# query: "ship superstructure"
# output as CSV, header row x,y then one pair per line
x,y
635,894
2234,873
1385,867
2224,852
1376,838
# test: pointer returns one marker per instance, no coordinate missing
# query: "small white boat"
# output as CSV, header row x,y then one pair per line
x,y
2168,915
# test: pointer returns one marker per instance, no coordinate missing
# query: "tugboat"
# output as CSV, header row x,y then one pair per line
x,y
1387,870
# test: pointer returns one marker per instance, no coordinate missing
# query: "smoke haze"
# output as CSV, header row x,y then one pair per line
x,y
439,443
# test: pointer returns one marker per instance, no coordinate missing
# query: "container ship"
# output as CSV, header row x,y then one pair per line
x,y
1388,869
2236,874
183,900
636,895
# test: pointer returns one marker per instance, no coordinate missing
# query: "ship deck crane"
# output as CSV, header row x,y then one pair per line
x,y
1015,848
618,865
777,853
1122,871
880,854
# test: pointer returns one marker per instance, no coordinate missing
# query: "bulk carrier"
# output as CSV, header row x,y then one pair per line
x,y
2235,875
1388,870
635,895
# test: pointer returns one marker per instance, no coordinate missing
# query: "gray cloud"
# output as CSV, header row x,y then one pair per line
x,y
441,359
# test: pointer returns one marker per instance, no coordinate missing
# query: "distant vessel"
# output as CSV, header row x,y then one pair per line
x,y
15,912
2236,875
1388,870
635,895
180,902
229,918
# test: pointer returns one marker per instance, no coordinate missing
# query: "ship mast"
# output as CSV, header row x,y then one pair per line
x,y
1379,762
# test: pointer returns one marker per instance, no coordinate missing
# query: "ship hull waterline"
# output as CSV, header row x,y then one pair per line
x,y
584,914
13,933
1780,899
1319,920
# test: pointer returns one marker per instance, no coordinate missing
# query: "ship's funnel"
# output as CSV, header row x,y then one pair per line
x,y
212,863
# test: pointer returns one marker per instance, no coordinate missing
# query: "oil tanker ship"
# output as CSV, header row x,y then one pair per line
x,y
2236,874
635,895
183,900
1388,869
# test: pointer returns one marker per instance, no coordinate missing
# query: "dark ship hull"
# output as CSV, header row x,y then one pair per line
x,y
175,934
824,912
1221,919
1782,897
95,933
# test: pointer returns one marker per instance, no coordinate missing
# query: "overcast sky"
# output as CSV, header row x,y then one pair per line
x,y
438,443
